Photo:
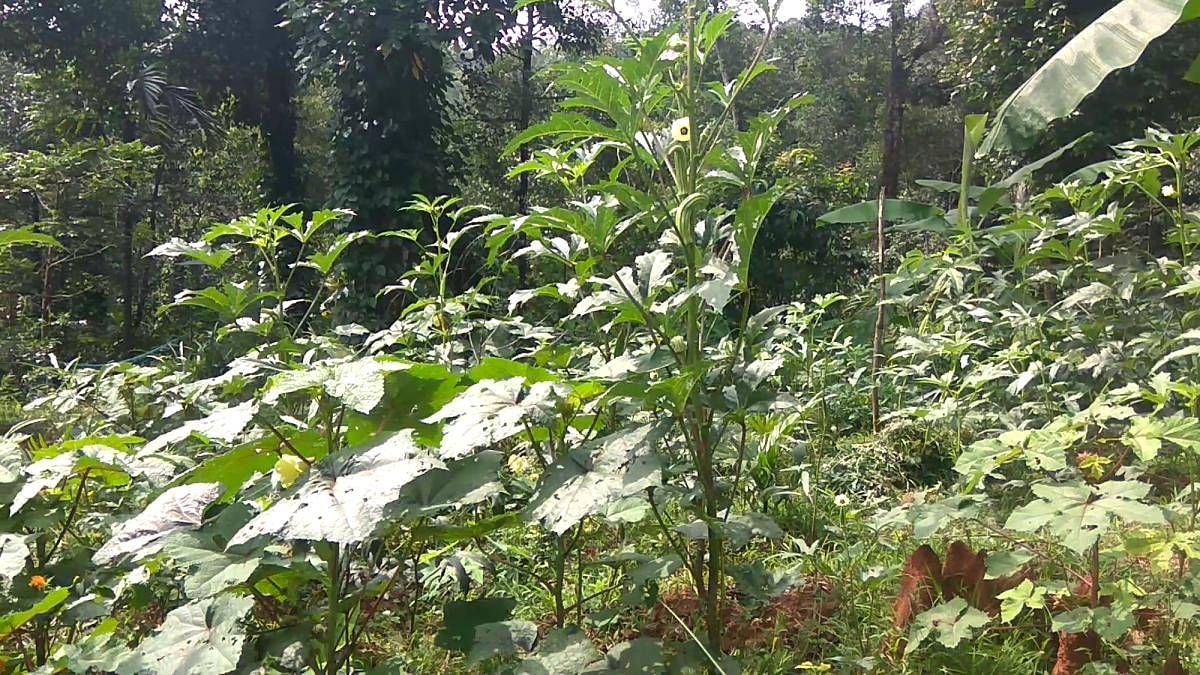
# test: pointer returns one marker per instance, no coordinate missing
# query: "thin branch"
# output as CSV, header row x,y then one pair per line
x,y
284,440
70,516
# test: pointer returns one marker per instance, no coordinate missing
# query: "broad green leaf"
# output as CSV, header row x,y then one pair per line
x,y
738,530
1191,11
1113,622
1074,621
229,302
459,483
41,475
947,186
1162,548
894,210
643,656
949,623
742,527
1025,595
656,569
316,222
492,368
24,236
232,468
747,221
591,477
47,604
1111,42
1146,435
1030,168
561,652
360,383
343,498
453,534
100,652
323,262
759,584
1006,563
1076,514
1088,295
206,570
1193,71
204,636
11,461
179,508
1044,449
565,128
627,510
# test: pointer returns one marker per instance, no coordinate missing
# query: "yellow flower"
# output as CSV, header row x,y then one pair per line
x,y
817,667
678,344
288,469
520,465
38,582
681,129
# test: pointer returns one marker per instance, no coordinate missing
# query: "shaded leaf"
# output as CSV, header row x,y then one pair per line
x,y
47,604
561,652
893,210
460,618
501,638
208,571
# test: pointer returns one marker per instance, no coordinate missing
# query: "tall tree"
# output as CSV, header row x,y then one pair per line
x,y
243,49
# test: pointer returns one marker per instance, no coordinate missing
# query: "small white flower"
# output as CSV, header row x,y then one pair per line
x,y
841,501
1168,191
681,129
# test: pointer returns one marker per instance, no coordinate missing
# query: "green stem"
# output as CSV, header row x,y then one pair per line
x,y
333,574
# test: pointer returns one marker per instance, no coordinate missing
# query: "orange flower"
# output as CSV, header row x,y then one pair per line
x,y
38,582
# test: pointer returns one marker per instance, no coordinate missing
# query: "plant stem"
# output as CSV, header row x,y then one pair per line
x,y
70,518
333,574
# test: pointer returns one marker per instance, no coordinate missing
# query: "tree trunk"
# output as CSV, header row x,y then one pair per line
x,y
893,125
880,310
286,185
889,187
148,274
525,115
128,280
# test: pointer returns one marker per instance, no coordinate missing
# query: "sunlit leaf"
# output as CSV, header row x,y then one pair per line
x,y
491,411
620,465
204,636
179,508
1111,42
343,498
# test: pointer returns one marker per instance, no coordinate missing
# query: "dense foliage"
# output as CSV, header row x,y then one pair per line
x,y
584,345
